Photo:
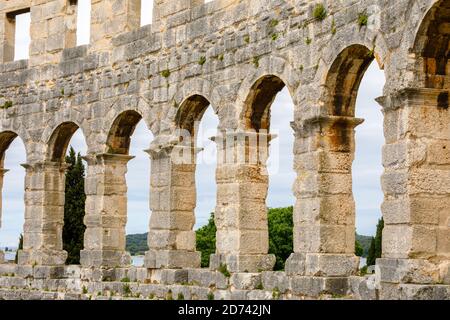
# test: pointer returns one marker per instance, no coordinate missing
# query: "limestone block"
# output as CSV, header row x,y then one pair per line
x,y
326,238
246,281
106,258
417,240
424,292
331,265
439,153
185,240
333,209
254,241
260,295
295,264
443,240
275,281
362,288
227,240
48,272
42,256
415,210
165,276
171,259
408,271
306,286
243,263
162,239
207,278
125,273
180,220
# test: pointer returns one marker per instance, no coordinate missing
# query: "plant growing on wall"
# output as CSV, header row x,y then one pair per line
x,y
320,13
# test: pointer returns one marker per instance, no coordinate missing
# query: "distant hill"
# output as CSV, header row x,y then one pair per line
x,y
365,243
137,244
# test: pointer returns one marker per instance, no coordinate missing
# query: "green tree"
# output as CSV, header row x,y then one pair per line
x,y
206,240
281,242
19,247
375,250
75,198
359,250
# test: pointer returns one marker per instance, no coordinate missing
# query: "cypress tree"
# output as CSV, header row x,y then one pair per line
x,y
375,250
75,198
20,247
371,254
379,238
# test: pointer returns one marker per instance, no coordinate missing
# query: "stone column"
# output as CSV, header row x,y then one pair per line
x,y
44,214
2,174
106,211
171,239
52,29
110,18
7,38
242,238
324,213
416,184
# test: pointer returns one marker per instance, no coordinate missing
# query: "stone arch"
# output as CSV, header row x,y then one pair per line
x,y
119,136
343,79
70,117
134,105
431,47
190,90
6,138
59,141
191,112
271,68
259,100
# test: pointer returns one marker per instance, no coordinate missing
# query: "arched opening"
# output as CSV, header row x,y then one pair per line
x,y
259,100
70,179
12,154
83,23
199,123
119,137
269,111
130,136
432,47
350,96
146,12
368,164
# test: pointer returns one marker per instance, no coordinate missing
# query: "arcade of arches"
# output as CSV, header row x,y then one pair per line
x,y
234,56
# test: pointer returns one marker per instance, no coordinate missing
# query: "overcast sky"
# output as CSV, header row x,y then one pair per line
x,y
367,167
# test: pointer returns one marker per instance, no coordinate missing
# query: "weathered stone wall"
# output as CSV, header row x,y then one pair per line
x,y
235,55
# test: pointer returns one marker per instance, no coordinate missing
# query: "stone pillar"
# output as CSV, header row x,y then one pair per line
x,y
2,174
324,213
110,18
7,38
416,184
242,238
106,211
53,28
44,214
171,239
